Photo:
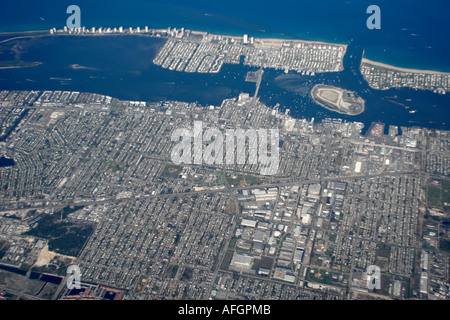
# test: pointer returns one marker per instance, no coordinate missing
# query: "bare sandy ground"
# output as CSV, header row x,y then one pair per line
x,y
46,256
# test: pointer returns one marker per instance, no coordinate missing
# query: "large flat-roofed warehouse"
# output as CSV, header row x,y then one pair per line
x,y
248,223
241,260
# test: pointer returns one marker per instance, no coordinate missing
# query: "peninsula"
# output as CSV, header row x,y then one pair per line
x,y
193,51
383,77
203,52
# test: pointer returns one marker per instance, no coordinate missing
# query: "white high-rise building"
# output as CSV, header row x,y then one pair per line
x,y
245,38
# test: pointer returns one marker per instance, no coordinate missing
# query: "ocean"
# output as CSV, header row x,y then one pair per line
x,y
413,34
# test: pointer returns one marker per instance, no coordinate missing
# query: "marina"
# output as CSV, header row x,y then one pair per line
x,y
126,70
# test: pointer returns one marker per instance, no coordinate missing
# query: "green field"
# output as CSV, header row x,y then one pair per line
x,y
446,193
232,243
383,250
332,237
114,167
227,260
172,171
317,275
434,197
438,195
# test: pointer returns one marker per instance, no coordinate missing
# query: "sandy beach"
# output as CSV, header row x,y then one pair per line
x,y
387,66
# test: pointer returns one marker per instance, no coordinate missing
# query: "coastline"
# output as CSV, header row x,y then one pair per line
x,y
258,42
406,70
270,40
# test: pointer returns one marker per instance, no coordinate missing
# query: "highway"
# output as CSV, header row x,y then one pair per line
x,y
88,202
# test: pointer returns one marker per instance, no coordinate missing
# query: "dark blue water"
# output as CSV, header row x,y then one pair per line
x,y
413,34
119,66
51,278
13,269
418,108
5,162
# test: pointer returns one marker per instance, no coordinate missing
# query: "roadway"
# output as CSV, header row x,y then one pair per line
x,y
88,202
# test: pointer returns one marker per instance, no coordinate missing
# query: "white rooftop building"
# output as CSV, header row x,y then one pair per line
x,y
248,223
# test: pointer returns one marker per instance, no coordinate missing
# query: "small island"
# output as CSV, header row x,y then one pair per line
x,y
80,67
337,99
11,64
